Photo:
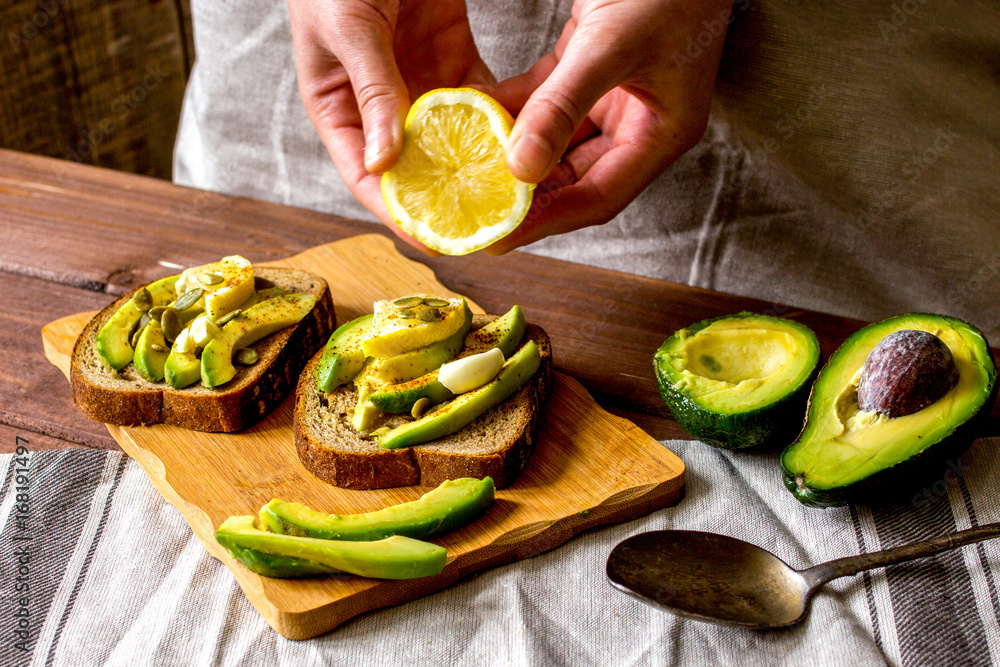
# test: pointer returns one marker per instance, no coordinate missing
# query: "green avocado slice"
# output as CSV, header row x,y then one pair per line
x,y
148,361
343,356
505,332
739,380
454,415
845,454
113,340
247,328
288,556
452,505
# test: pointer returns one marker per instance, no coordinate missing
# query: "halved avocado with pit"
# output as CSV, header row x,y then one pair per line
x,y
739,380
845,453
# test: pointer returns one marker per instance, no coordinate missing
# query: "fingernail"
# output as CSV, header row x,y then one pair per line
x,y
377,144
532,153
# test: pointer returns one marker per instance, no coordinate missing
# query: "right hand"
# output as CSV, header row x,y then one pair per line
x,y
358,74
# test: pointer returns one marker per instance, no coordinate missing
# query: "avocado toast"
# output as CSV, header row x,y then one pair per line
x,y
124,392
344,442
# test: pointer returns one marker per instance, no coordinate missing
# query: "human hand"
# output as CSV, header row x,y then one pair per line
x,y
357,75
618,101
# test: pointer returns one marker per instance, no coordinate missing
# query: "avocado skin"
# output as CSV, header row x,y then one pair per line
x,y
450,506
279,567
905,475
773,425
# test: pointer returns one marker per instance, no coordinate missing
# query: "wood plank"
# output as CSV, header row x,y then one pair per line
x,y
11,438
588,468
604,325
33,395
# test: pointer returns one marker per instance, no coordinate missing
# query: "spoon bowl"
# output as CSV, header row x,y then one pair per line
x,y
721,579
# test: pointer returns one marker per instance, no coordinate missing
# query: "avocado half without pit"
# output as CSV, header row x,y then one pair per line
x,y
739,380
894,403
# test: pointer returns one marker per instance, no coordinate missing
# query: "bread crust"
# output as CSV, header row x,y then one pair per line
x,y
355,462
126,399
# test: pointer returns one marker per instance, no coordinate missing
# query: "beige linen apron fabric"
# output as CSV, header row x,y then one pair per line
x,y
850,165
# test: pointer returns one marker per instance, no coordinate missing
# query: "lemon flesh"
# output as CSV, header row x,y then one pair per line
x,y
451,188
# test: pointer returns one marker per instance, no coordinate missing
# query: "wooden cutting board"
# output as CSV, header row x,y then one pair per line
x,y
589,467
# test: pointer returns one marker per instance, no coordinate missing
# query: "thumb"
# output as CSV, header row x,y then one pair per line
x,y
381,94
555,110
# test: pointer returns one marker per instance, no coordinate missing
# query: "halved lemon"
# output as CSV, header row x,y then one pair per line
x,y
451,188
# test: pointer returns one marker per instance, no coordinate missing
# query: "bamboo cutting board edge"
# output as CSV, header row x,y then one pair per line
x,y
658,485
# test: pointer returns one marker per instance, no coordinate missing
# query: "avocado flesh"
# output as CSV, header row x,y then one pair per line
x,y
739,380
247,328
450,417
149,362
343,356
392,335
181,369
842,446
505,333
452,505
414,363
113,340
289,556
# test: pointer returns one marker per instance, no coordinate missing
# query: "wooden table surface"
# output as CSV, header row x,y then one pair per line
x,y
73,236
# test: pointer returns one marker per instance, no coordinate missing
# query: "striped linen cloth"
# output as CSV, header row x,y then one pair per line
x,y
97,569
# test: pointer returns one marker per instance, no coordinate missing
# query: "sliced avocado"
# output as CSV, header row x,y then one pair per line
x,y
182,369
450,417
399,398
149,361
845,453
113,340
409,365
396,329
452,505
505,332
739,380
288,556
247,328
343,356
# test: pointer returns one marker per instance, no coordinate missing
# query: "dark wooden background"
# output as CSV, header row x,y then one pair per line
x,y
95,81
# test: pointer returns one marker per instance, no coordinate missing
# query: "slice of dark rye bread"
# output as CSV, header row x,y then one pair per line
x,y
498,443
126,399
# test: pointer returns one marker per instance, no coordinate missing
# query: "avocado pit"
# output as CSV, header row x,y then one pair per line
x,y
906,372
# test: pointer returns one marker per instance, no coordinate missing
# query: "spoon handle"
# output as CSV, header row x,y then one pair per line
x,y
842,567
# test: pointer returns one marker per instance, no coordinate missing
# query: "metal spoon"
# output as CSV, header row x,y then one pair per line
x,y
722,579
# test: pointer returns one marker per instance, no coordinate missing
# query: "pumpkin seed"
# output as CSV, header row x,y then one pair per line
x,y
142,299
407,314
246,357
428,314
209,279
261,283
434,302
170,321
227,317
156,312
157,347
135,337
407,302
420,407
188,299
